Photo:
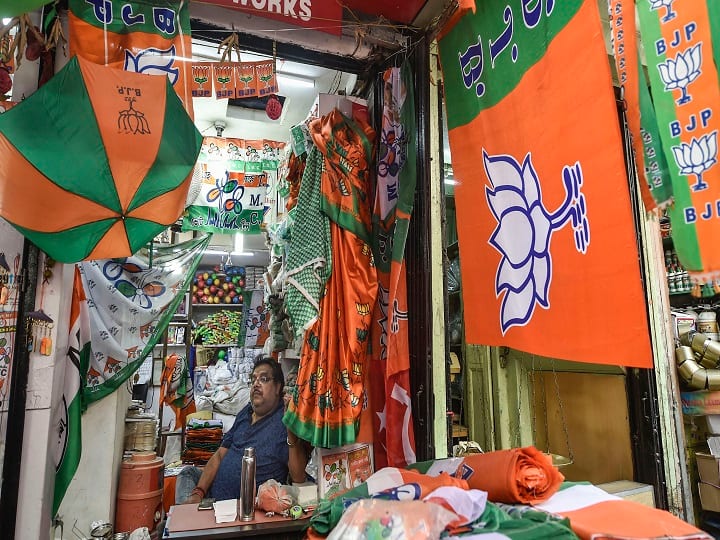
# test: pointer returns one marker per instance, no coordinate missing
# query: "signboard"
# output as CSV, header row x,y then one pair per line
x,y
321,15
700,403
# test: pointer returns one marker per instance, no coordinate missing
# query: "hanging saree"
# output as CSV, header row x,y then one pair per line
x,y
330,392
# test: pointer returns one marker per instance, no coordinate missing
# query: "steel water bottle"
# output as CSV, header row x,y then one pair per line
x,y
247,485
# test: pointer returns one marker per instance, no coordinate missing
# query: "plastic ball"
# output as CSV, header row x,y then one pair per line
x,y
232,294
225,287
220,293
206,290
213,289
221,354
228,278
205,276
216,282
236,300
201,283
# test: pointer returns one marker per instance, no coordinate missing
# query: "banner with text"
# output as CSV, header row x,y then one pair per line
x,y
145,36
230,185
681,39
545,223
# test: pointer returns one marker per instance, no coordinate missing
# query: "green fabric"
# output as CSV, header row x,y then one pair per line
x,y
177,153
309,262
77,243
326,437
656,166
12,8
531,43
63,124
713,7
146,16
520,523
684,235
138,229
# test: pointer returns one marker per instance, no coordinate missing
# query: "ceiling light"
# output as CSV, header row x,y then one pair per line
x,y
6,20
294,80
451,182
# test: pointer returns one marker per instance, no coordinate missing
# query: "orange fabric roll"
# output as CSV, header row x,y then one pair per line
x,y
517,475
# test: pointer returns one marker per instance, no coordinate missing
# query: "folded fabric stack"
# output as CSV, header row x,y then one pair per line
x,y
202,439
503,495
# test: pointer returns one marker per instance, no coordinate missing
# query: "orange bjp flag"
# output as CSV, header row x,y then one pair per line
x,y
548,246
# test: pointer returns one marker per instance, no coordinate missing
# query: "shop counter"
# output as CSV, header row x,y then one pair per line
x,y
186,521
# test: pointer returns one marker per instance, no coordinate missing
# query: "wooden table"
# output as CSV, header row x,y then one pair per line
x,y
186,521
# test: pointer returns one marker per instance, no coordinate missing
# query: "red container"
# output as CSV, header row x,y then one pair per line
x,y
139,497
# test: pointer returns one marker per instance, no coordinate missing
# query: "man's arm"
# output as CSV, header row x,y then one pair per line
x,y
297,459
208,475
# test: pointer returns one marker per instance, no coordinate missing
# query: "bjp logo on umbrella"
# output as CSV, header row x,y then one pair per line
x,y
97,162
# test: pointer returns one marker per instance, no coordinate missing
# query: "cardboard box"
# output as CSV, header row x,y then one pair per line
x,y
709,497
342,468
708,468
631,491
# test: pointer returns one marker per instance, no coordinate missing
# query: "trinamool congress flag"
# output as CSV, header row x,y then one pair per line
x,y
67,413
547,240
682,46
145,36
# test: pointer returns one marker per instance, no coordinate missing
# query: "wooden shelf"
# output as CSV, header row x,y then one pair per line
x,y
459,432
217,305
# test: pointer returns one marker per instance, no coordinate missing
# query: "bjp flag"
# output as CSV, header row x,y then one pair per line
x,y
145,36
548,246
682,42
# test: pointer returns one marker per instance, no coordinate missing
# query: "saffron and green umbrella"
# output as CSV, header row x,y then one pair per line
x,y
12,8
97,162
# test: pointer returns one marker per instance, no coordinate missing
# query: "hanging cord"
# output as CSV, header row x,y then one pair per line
x,y
19,43
563,419
229,45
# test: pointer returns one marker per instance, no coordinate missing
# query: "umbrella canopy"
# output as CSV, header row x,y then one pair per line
x,y
97,162
12,8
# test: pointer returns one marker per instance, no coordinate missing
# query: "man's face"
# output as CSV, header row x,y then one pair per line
x,y
264,396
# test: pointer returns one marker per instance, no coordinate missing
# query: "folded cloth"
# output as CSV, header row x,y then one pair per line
x,y
388,483
517,475
595,514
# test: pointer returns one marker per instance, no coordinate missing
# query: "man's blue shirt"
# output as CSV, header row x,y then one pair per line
x,y
269,438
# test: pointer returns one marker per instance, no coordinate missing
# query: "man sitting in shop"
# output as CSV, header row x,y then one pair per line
x,y
259,424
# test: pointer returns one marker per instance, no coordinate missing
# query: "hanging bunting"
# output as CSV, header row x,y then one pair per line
x,y
202,79
256,320
627,59
246,80
395,191
224,80
146,36
545,223
682,38
232,190
130,304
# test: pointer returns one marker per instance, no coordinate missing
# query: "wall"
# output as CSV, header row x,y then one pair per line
x,y
91,495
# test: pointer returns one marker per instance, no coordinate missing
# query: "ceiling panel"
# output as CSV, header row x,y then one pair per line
x,y
403,11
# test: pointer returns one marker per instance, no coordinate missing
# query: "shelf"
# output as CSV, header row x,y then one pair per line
x,y
216,305
459,432
218,346
170,345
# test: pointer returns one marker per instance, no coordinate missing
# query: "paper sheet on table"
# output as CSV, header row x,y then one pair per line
x,y
225,511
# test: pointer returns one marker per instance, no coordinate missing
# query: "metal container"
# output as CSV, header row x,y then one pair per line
x,y
713,378
247,485
683,354
699,379
688,369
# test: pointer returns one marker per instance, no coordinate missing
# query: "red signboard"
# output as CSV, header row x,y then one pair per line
x,y
402,11
325,15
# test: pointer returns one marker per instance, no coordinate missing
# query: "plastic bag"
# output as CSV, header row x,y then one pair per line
x,y
377,519
275,497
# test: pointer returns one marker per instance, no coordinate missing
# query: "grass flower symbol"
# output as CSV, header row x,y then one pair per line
x,y
681,71
523,232
667,4
697,157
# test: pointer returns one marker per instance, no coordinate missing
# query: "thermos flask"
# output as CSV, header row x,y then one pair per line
x,y
247,485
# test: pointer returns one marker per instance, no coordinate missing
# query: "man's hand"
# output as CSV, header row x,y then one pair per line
x,y
193,499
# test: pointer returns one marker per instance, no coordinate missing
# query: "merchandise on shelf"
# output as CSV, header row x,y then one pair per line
x,y
219,287
221,328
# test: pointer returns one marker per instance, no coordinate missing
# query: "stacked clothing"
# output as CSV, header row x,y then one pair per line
x,y
202,438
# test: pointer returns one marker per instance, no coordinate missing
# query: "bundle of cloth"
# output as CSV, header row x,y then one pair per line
x,y
507,494
202,439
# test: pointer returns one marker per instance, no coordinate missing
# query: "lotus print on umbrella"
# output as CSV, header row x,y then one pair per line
x,y
679,73
523,232
667,4
697,157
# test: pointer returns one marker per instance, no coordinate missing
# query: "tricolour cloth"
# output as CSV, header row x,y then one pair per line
x,y
547,239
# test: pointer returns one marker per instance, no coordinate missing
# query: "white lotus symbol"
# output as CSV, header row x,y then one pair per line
x,y
697,157
667,4
523,232
679,73
153,61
